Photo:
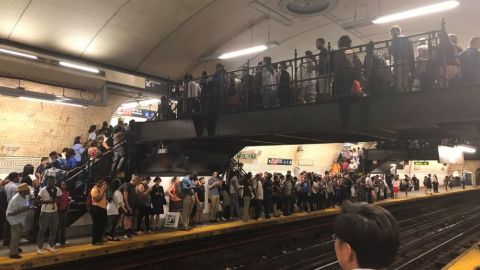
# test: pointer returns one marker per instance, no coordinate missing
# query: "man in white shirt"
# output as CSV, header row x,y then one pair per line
x,y
366,237
48,198
16,216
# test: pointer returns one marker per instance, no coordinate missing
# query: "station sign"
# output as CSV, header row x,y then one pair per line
x,y
279,161
141,113
246,155
421,163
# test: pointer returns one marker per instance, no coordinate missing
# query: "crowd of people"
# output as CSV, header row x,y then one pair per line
x,y
37,200
405,65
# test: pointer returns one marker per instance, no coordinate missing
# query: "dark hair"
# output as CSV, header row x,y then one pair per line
x,y
50,178
70,153
77,140
43,159
92,128
28,169
371,231
157,179
344,41
12,176
53,154
321,40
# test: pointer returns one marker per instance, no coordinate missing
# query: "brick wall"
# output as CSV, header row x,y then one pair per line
x,y
33,129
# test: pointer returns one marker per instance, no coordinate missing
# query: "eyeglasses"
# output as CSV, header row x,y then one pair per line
x,y
334,237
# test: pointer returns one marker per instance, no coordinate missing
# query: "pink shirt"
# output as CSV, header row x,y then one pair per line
x,y
63,200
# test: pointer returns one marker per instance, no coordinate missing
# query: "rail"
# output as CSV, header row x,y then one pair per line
x,y
418,62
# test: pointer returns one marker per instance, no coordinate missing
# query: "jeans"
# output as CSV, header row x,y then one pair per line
x,y
214,200
234,205
246,207
143,214
118,159
62,224
287,205
268,201
99,217
16,234
258,208
187,210
113,220
48,220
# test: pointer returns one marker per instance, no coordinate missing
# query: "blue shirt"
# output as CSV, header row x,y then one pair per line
x,y
72,163
213,190
187,186
78,148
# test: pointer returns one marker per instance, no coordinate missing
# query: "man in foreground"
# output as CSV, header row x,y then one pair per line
x,y
366,237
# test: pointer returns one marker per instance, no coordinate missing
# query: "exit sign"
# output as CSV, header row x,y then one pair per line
x,y
422,163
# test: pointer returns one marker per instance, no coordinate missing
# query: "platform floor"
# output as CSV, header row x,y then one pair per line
x,y
469,260
80,248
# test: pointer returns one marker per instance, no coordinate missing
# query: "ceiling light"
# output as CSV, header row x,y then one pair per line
x,y
442,6
19,54
52,101
79,67
130,105
149,101
466,148
242,52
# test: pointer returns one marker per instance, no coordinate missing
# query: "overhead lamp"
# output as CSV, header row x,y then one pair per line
x,y
425,10
254,49
130,105
79,67
19,54
59,102
149,101
466,148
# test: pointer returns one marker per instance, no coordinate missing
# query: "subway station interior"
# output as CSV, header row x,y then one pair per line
x,y
239,134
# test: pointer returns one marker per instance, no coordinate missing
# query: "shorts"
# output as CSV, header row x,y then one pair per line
x,y
396,189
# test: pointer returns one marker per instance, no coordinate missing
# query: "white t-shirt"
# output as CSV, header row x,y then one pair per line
x,y
115,204
92,136
51,207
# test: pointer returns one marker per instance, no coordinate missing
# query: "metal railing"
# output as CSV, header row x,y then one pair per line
x,y
417,62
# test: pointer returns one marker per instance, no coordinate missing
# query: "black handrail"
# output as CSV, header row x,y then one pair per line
x,y
91,162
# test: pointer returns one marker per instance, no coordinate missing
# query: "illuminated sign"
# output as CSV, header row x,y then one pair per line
x,y
279,161
246,155
135,112
422,163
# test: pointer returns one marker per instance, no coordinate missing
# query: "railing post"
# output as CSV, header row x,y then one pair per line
x,y
295,68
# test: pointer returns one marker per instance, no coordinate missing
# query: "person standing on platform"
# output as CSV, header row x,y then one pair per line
x,y
213,196
16,213
269,84
268,195
48,198
247,196
115,207
427,182
446,181
98,210
233,193
258,191
199,200
158,201
287,189
396,187
416,183
401,50
366,237
130,200
188,200
435,183
284,86
63,206
144,205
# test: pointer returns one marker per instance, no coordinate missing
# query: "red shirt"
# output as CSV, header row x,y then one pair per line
x,y
64,199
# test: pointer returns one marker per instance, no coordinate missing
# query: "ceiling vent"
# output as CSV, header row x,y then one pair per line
x,y
307,7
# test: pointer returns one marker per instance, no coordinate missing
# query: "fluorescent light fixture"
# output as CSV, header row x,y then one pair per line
x,y
149,101
242,52
466,148
19,54
130,105
52,101
442,6
79,67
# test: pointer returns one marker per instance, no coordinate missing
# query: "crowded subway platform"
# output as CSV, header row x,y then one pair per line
x,y
332,134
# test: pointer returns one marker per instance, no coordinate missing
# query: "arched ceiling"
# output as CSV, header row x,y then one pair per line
x,y
167,38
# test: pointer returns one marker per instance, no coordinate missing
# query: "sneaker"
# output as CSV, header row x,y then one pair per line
x,y
16,256
51,249
40,252
58,245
